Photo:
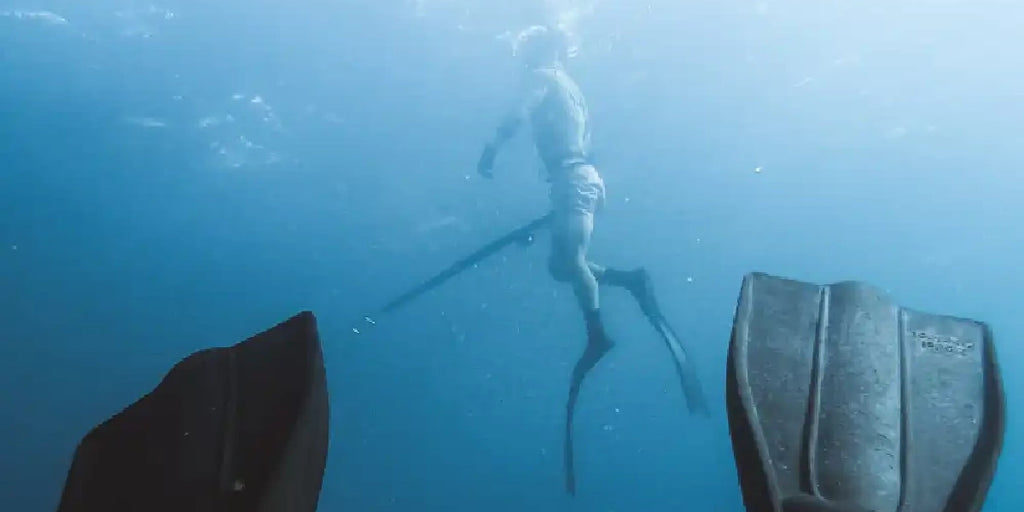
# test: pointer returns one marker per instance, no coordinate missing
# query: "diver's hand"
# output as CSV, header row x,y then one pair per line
x,y
485,167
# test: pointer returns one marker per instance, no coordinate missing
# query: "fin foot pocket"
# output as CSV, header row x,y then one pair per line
x,y
598,344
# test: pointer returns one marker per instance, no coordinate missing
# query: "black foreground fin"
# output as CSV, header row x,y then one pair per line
x,y
841,400
232,429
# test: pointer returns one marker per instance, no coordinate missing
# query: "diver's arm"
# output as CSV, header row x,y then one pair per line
x,y
510,126
506,130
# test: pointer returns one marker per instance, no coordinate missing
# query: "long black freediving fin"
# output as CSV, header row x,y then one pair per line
x,y
568,455
235,429
591,356
841,400
643,291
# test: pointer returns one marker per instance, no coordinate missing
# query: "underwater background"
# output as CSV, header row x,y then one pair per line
x,y
178,175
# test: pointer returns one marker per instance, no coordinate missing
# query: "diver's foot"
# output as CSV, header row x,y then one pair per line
x,y
599,341
639,285
598,344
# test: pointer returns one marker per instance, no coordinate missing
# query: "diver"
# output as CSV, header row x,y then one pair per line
x,y
553,105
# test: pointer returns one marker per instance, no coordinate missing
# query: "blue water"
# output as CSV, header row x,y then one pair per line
x,y
179,175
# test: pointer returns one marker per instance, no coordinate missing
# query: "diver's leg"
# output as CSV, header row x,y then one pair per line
x,y
570,240
577,193
571,234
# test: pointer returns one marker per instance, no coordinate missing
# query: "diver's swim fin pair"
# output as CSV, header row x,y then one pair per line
x,y
838,400
643,291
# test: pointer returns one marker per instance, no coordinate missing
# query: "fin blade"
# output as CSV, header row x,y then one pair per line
x,y
237,428
693,391
839,393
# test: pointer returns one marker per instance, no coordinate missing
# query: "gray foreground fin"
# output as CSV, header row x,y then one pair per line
x,y
234,429
839,399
